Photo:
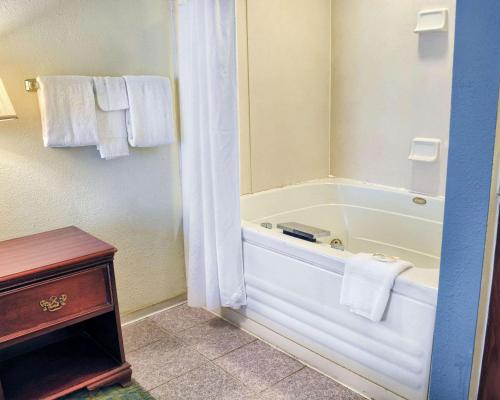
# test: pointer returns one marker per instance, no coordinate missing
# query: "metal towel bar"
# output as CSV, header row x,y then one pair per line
x,y
30,85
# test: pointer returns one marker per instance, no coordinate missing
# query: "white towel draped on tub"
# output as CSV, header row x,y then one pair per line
x,y
67,108
367,284
150,120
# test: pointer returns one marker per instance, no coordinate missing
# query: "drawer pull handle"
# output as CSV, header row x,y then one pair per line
x,y
54,303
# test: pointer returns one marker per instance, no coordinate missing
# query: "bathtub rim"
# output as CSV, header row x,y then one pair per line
x,y
331,179
417,283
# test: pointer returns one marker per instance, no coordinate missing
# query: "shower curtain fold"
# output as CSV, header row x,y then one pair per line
x,y
210,153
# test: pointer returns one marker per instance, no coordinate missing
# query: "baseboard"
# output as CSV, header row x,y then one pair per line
x,y
151,310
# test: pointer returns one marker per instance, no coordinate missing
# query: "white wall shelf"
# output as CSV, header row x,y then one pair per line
x,y
424,149
432,21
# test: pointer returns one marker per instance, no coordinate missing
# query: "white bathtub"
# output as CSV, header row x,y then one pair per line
x,y
293,286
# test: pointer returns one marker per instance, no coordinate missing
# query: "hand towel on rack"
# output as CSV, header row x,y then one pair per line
x,y
110,93
67,108
367,284
112,101
150,119
112,134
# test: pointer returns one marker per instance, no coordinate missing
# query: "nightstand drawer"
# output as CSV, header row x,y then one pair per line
x,y
54,301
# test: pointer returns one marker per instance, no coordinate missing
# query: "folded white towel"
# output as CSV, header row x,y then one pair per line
x,y
150,119
112,101
67,108
367,284
112,134
110,93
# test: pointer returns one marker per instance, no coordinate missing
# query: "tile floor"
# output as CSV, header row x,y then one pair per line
x,y
188,354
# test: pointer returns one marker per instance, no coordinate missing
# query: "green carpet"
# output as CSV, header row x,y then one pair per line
x,y
132,392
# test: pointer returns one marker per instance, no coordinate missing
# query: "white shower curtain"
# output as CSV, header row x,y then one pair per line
x,y
210,153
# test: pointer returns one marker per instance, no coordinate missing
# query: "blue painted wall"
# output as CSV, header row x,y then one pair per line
x,y
476,75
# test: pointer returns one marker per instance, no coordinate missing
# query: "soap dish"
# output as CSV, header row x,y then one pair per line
x,y
424,149
432,21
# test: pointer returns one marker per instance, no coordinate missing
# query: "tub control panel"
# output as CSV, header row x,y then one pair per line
x,y
301,231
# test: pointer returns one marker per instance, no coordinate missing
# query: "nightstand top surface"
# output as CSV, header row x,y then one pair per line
x,y
21,257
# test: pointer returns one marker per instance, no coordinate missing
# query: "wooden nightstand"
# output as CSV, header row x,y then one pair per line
x,y
59,321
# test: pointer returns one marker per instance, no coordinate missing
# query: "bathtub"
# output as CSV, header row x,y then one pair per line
x,y
293,286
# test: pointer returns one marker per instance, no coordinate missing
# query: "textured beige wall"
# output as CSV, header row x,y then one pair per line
x,y
289,92
132,202
388,86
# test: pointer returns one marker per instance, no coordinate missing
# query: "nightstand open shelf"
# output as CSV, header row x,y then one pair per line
x,y
52,370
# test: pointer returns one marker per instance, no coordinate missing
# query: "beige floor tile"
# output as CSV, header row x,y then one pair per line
x,y
181,317
162,361
140,334
175,365
258,365
208,382
215,338
308,384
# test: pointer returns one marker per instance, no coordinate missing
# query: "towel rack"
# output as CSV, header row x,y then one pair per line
x,y
30,85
